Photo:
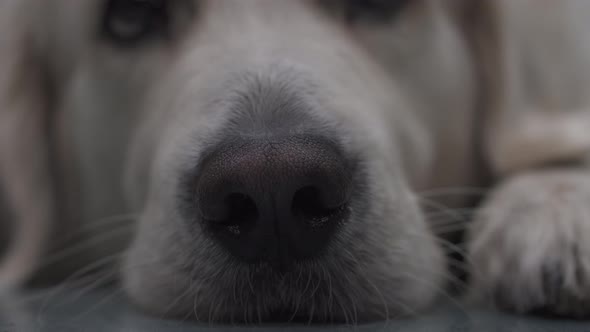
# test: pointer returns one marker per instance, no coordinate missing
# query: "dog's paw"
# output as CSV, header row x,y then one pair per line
x,y
529,245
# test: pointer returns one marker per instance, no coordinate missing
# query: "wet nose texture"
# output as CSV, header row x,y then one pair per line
x,y
275,201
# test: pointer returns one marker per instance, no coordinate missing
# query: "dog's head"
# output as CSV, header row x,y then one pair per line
x,y
271,146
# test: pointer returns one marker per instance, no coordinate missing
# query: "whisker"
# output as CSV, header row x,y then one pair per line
x,y
455,191
99,303
453,249
358,263
77,248
440,210
382,299
450,229
189,290
100,223
87,269
195,312
316,288
450,248
77,283
348,316
301,294
98,280
259,313
459,265
311,312
463,266
439,217
455,281
439,290
328,277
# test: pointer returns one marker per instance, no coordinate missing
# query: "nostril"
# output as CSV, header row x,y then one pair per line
x,y
241,214
314,209
274,202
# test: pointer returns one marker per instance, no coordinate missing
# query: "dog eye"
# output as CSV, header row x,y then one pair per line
x,y
378,11
129,22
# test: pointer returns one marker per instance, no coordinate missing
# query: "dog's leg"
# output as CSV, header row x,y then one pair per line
x,y
530,244
25,172
538,138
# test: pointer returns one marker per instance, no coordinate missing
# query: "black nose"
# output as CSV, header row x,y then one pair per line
x,y
275,201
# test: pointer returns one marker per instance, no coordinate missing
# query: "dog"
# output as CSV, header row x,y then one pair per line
x,y
266,160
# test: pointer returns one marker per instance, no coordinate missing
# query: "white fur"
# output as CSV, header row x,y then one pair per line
x,y
420,100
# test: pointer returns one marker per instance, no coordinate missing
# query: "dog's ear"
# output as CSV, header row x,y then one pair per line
x,y
25,171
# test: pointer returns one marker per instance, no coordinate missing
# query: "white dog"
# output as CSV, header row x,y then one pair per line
x,y
275,155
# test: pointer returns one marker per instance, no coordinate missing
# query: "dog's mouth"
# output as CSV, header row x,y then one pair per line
x,y
310,291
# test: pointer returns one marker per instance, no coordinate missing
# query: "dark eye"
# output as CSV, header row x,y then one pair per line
x,y
378,11
130,22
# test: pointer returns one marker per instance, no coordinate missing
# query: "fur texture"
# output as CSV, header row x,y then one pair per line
x,y
432,95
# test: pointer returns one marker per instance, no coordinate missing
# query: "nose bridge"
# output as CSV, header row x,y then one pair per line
x,y
259,18
237,36
256,30
244,38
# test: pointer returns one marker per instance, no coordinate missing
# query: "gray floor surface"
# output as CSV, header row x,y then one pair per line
x,y
64,311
